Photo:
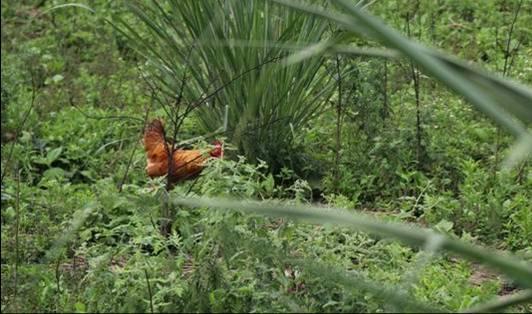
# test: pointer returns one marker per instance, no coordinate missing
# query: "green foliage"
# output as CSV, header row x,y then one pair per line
x,y
486,206
81,222
433,278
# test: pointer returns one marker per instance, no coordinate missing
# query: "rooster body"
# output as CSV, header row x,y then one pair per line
x,y
186,164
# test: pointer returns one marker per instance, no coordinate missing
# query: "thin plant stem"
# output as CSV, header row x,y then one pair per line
x,y
338,126
17,249
149,290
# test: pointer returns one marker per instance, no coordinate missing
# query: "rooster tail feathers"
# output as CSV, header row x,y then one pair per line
x,y
153,135
155,126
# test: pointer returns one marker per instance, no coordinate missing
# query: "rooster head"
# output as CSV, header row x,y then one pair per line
x,y
218,150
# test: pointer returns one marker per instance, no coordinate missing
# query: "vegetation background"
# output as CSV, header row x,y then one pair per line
x,y
315,126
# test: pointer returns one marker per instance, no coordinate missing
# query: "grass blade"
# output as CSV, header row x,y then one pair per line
x,y
496,306
515,269
508,104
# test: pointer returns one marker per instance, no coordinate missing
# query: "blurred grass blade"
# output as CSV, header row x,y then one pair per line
x,y
393,295
520,151
66,5
365,51
289,46
79,217
498,305
514,97
355,280
416,53
515,269
508,104
308,52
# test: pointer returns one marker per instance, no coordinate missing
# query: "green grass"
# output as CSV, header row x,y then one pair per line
x,y
80,220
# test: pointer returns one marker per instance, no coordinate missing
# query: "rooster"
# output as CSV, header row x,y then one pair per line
x,y
186,164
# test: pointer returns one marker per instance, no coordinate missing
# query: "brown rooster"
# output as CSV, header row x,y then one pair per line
x,y
186,164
